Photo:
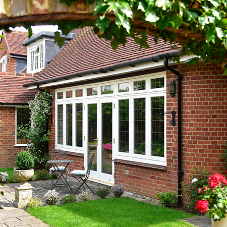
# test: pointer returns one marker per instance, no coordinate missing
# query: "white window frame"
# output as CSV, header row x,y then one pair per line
x,y
33,65
18,144
148,93
4,63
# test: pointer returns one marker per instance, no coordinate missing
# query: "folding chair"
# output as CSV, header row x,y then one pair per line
x,y
56,168
83,175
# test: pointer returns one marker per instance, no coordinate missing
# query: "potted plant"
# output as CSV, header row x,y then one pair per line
x,y
108,148
213,200
24,166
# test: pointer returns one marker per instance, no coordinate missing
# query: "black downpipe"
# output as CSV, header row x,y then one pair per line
x,y
180,173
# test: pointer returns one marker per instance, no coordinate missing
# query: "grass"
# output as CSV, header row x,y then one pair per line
x,y
120,212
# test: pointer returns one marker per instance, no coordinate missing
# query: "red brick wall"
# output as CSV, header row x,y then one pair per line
x,y
7,137
204,130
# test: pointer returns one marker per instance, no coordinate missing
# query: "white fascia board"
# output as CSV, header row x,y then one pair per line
x,y
116,72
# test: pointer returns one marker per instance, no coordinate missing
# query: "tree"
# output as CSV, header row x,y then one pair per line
x,y
198,26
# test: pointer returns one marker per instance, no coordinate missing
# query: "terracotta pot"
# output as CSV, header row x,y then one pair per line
x,y
23,175
221,223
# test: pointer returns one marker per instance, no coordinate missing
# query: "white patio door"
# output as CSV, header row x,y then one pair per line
x,y
99,125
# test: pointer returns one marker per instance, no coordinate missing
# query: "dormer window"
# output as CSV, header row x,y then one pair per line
x,y
36,58
4,63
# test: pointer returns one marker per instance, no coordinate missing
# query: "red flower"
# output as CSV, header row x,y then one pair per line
x,y
216,179
202,206
199,190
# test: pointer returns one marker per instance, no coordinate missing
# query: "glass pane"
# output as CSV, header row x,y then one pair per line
x,y
139,85
69,124
108,89
92,134
157,83
124,87
79,124
139,126
79,93
92,91
60,124
157,125
69,94
107,138
60,95
23,116
124,126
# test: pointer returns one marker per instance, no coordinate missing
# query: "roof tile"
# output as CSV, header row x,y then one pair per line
x,y
12,90
88,52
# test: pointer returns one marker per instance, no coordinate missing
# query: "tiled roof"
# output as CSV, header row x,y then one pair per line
x,y
15,42
12,90
88,52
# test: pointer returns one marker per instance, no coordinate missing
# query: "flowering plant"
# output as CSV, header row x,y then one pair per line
x,y
213,198
107,146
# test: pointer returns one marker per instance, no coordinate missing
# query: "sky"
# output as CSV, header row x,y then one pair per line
x,y
39,28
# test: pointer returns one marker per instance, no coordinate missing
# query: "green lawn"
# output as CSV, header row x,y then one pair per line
x,y
114,212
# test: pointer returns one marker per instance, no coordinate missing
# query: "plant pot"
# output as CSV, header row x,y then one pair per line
x,y
221,223
23,175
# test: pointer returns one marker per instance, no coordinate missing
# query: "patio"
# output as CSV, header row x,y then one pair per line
x,y
41,187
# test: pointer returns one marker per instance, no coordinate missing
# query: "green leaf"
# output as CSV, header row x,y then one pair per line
x,y
164,4
152,17
102,24
162,22
100,8
219,31
222,23
58,39
177,21
192,61
215,2
114,43
192,15
203,20
29,32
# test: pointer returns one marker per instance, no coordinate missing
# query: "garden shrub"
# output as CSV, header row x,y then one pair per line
x,y
117,190
68,199
24,160
51,197
103,192
167,199
84,195
42,175
34,203
197,180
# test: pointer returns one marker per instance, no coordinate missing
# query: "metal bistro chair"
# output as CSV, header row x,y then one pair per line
x,y
58,155
83,175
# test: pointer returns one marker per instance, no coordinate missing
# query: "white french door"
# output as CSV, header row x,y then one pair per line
x,y
99,139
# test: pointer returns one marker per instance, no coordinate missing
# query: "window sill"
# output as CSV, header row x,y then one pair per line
x,y
20,145
146,165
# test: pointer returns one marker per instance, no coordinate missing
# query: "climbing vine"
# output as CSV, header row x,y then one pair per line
x,y
37,134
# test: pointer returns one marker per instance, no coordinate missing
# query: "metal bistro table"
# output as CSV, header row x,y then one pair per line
x,y
61,176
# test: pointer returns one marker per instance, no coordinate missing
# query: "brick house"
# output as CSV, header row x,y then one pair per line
x,y
118,102
17,70
13,97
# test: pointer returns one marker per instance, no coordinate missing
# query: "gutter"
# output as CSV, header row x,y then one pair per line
x,y
180,173
154,58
